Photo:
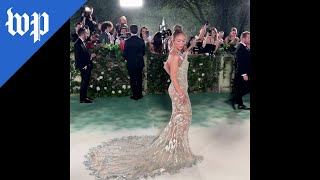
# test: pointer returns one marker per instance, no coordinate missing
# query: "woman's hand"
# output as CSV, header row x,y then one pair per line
x,y
182,97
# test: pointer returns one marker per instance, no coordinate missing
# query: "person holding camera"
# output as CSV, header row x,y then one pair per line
x,y
211,43
122,22
232,39
87,18
144,34
122,37
105,36
167,41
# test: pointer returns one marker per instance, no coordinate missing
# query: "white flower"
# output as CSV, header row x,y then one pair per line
x,y
124,87
109,69
167,148
98,88
129,86
102,72
151,57
202,74
113,92
105,88
112,87
199,79
207,54
128,77
100,77
76,88
162,170
110,78
91,86
193,70
119,91
117,79
200,64
168,80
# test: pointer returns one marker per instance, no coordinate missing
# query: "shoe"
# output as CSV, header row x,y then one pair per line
x,y
232,103
90,99
243,107
86,101
134,98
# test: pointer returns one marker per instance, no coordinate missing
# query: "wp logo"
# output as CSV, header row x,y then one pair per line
x,y
22,25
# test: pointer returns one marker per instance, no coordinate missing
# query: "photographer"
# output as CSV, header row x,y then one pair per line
x,y
211,43
122,21
123,36
144,34
167,40
200,38
87,18
105,36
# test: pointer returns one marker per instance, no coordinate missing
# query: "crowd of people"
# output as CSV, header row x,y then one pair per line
x,y
207,41
93,34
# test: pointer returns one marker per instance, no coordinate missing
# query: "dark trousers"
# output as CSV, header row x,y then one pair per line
x,y
136,81
85,79
242,88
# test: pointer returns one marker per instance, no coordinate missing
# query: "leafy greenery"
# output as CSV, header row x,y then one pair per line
x,y
110,76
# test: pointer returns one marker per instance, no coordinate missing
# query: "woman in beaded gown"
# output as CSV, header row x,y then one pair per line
x,y
135,157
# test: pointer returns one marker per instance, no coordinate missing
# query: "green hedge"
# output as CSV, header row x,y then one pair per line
x,y
110,76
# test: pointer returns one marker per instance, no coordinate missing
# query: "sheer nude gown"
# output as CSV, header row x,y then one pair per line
x,y
137,157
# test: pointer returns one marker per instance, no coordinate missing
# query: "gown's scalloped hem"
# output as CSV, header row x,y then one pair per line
x,y
147,140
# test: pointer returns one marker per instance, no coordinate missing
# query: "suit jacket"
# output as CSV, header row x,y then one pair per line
x,y
134,50
105,37
242,60
74,36
81,54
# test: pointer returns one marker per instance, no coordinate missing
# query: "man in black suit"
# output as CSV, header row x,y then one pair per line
x,y
83,61
242,80
134,50
74,35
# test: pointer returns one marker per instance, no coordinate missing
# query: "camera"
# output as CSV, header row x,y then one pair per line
x,y
147,33
87,10
163,34
209,32
128,35
207,23
120,28
125,36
